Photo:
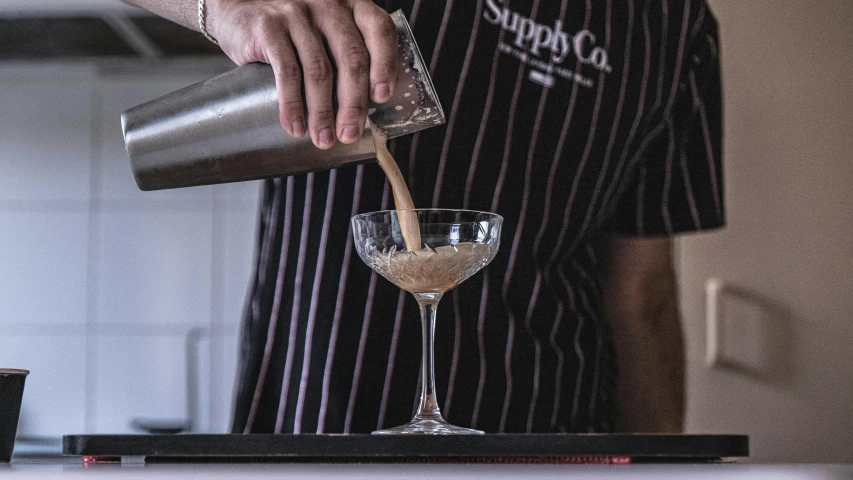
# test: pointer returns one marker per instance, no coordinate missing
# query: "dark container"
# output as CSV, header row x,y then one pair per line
x,y
11,393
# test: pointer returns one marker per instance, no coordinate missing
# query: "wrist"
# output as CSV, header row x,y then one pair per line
x,y
210,19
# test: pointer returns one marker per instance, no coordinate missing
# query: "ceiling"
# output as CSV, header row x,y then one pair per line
x,y
92,29
63,7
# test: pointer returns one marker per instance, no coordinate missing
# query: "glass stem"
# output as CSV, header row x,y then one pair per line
x,y
428,408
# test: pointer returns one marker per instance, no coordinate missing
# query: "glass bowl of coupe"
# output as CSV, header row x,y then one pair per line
x,y
427,252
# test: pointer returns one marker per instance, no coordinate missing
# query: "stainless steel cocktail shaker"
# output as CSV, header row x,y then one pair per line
x,y
226,129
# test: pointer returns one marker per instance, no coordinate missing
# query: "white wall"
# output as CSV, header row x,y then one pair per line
x,y
787,70
101,284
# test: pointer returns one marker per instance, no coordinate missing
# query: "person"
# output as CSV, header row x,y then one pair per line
x,y
593,127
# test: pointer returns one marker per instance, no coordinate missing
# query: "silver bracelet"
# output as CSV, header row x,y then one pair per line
x,y
201,23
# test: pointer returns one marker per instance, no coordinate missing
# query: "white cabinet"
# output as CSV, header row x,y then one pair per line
x,y
154,266
100,283
43,266
164,376
240,236
55,390
224,359
45,138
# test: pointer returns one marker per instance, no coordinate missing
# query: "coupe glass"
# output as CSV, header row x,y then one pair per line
x,y
455,244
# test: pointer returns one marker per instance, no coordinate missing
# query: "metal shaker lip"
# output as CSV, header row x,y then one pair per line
x,y
414,105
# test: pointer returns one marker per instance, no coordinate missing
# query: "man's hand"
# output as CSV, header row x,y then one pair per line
x,y
293,37
641,306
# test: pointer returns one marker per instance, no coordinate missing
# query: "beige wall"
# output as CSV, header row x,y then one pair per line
x,y
788,247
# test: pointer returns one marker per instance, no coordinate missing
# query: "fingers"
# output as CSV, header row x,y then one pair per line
x,y
380,38
353,74
317,74
288,82
292,35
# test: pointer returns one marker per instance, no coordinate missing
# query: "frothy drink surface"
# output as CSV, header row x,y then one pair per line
x,y
432,270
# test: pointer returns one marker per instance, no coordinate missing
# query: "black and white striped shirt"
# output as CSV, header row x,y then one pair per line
x,y
571,119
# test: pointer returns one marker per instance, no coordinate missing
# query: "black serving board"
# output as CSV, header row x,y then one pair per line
x,y
368,448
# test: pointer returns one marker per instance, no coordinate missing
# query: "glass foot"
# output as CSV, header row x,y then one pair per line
x,y
428,426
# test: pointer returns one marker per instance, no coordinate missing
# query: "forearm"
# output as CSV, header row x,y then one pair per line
x,y
642,310
183,12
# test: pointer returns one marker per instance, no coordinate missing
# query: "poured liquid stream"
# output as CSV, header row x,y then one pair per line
x,y
402,198
420,268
